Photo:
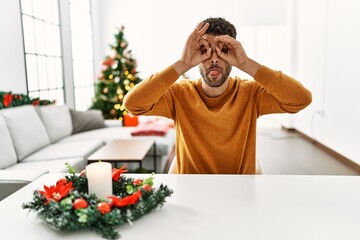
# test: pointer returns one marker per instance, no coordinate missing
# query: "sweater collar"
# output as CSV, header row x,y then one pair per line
x,y
218,98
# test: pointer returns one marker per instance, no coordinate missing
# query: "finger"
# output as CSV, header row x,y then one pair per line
x,y
203,42
199,26
204,28
221,54
221,45
196,30
226,39
202,31
207,54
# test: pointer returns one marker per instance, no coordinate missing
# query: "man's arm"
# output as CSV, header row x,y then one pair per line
x,y
280,92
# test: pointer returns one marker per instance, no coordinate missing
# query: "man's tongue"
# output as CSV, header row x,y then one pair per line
x,y
214,72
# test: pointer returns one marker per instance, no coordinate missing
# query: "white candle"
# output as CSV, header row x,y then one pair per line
x,y
99,177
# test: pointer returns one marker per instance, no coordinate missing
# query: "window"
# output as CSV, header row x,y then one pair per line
x,y
46,64
82,53
43,57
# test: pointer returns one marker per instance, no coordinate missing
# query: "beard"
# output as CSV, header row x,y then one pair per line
x,y
215,82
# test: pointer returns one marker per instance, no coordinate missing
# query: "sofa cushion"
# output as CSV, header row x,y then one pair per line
x,y
53,166
27,131
20,175
86,120
8,154
65,150
164,144
57,120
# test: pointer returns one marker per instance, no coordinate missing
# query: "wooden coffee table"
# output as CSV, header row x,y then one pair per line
x,y
124,150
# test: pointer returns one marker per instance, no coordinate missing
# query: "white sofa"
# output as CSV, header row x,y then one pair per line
x,y
37,140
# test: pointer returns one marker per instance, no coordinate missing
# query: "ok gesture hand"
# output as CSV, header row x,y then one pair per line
x,y
231,51
196,50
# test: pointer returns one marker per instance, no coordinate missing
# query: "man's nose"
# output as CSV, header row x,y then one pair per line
x,y
214,59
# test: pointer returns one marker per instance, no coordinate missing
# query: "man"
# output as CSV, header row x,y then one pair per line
x,y
215,117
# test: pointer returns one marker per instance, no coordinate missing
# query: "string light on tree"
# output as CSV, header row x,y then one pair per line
x,y
119,91
113,83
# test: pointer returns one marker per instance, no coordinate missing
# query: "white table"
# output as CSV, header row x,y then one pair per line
x,y
221,207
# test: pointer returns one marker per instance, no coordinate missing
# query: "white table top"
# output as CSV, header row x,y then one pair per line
x,y
220,207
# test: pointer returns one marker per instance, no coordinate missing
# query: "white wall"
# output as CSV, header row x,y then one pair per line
x,y
157,29
329,36
12,63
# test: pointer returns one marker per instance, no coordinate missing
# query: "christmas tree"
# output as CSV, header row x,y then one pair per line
x,y
117,78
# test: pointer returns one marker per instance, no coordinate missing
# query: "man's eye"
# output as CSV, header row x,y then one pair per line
x,y
225,49
203,49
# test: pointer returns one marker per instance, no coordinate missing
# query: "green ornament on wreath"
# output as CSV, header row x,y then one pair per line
x,y
67,206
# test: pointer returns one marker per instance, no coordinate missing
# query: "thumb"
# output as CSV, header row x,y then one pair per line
x,y
220,53
207,54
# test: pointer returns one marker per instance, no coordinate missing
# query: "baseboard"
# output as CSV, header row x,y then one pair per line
x,y
326,149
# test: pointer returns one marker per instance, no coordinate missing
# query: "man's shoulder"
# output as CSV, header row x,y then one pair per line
x,y
184,84
184,87
243,83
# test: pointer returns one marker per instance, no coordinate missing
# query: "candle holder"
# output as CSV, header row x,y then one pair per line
x,y
99,177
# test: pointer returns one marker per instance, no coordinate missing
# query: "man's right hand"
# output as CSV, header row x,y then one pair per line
x,y
195,51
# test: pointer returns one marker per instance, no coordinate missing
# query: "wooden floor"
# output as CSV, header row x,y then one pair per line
x,y
283,152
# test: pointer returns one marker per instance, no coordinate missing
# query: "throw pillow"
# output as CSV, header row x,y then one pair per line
x,y
86,120
8,154
27,131
57,121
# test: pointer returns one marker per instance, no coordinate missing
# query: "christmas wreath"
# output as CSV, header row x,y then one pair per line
x,y
67,206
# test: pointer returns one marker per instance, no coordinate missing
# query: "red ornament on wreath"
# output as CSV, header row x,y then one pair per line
x,y
80,203
103,207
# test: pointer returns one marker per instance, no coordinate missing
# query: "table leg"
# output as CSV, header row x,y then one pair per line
x,y
155,157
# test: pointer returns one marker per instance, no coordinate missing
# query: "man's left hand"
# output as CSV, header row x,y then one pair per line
x,y
231,51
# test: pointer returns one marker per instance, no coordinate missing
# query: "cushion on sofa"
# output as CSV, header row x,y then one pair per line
x,y
65,150
7,151
27,131
86,120
53,166
57,121
20,175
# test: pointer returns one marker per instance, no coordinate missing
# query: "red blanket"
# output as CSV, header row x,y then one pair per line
x,y
155,128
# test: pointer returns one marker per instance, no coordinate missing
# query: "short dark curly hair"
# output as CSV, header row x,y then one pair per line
x,y
219,26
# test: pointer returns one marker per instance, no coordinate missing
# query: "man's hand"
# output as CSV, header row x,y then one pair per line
x,y
231,51
195,51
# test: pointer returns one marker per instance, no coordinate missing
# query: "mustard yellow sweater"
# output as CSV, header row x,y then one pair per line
x,y
217,135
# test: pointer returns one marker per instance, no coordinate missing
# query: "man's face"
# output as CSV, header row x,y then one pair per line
x,y
214,70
